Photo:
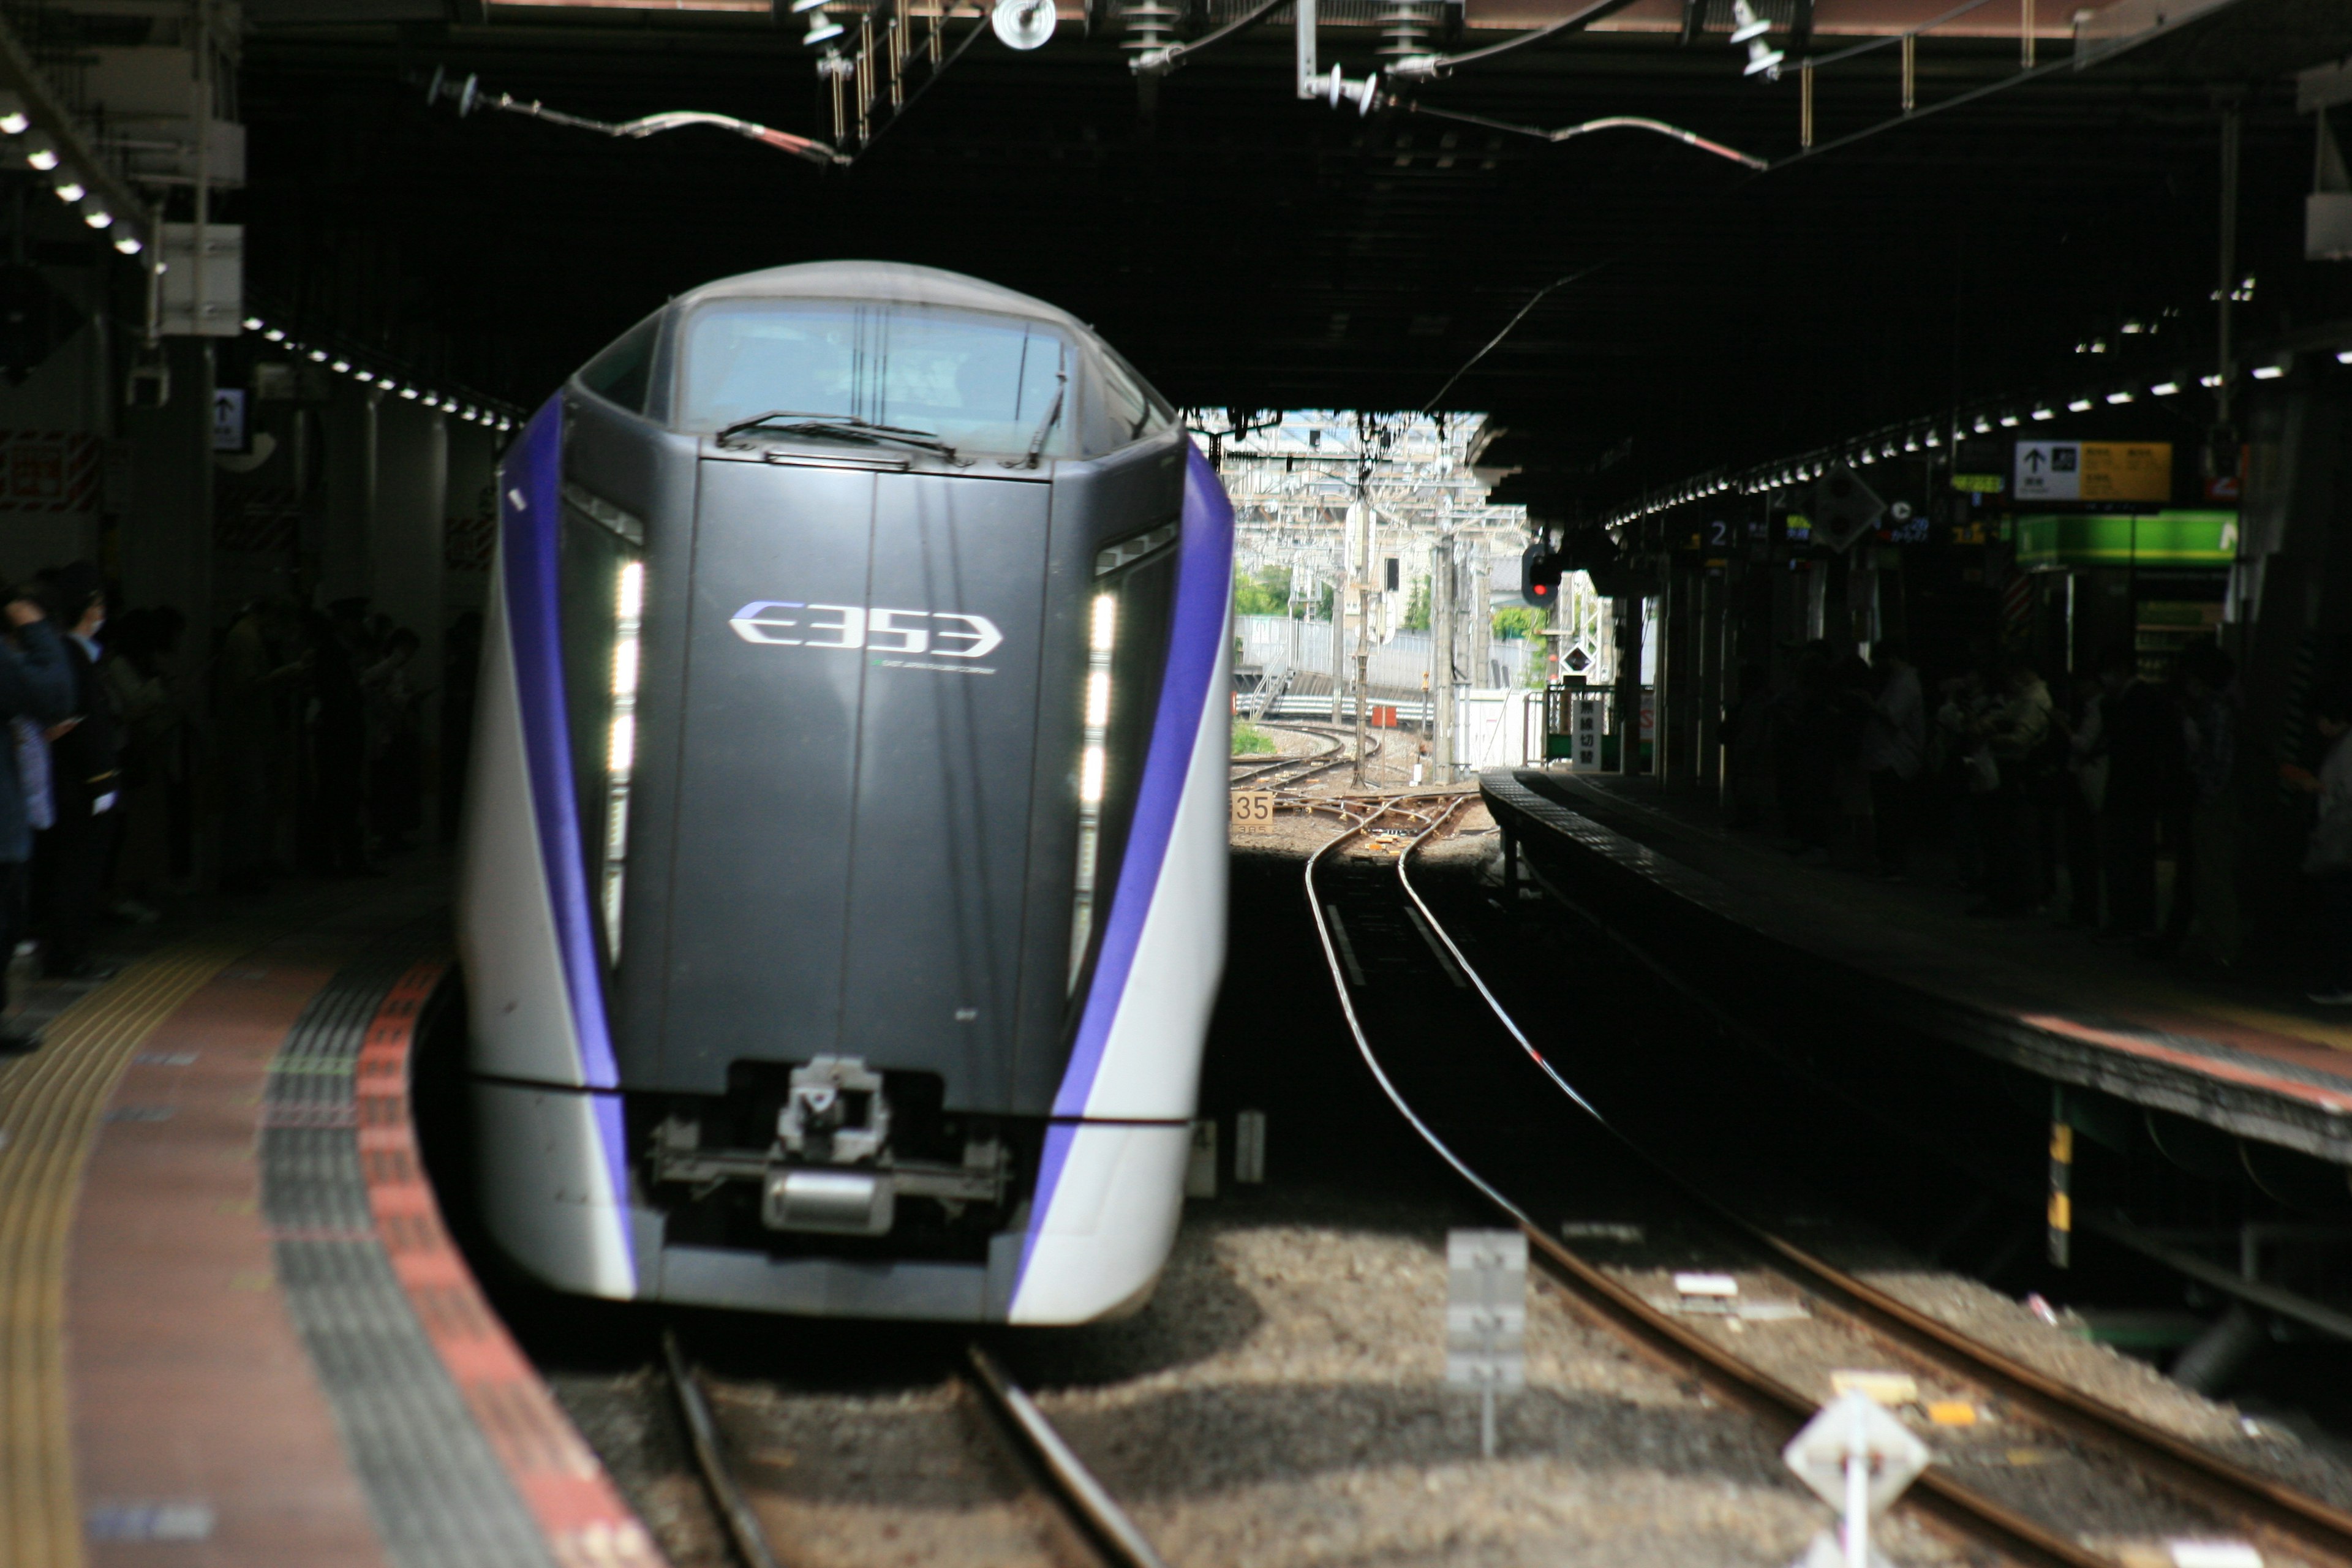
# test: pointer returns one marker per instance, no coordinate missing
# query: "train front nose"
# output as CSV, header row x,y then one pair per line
x,y
854,777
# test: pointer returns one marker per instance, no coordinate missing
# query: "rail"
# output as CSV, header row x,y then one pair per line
x,y
2275,1513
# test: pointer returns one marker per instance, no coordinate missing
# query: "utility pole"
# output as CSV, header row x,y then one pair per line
x,y
1359,554
1442,598
2233,116
1340,585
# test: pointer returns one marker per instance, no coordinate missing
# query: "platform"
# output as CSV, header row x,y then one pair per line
x,y
233,1330
2059,1004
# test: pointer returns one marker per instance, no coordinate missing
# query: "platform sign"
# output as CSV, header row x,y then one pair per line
x,y
228,419
2094,471
1586,716
1252,811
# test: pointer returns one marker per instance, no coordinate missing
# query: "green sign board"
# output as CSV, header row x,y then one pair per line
x,y
2047,541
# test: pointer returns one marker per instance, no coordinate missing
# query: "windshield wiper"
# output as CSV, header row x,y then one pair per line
x,y
1044,426
840,427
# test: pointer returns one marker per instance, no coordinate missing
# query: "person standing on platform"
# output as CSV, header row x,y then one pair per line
x,y
258,674
2204,925
2080,797
1892,751
2016,733
85,778
2142,745
2327,858
35,685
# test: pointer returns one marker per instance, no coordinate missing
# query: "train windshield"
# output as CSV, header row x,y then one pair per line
x,y
989,384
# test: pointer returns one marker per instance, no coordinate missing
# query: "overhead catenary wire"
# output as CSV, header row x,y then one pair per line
x,y
1539,295
1430,66
468,96
1586,128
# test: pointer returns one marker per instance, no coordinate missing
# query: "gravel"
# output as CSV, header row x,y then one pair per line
x,y
1282,1401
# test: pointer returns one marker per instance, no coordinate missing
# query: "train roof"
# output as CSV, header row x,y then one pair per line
x,y
893,282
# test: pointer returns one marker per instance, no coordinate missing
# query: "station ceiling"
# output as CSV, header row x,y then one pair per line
x,y
1251,251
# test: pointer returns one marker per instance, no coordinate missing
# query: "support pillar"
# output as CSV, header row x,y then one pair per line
x,y
1709,629
1627,616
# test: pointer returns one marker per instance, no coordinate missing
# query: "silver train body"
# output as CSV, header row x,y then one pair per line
x,y
843,899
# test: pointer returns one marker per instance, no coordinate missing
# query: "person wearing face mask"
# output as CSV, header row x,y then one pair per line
x,y
69,861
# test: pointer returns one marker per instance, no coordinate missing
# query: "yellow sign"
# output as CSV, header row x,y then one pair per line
x,y
1252,811
2127,470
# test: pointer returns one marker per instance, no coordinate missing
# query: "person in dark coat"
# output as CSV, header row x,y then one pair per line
x,y
36,687
69,861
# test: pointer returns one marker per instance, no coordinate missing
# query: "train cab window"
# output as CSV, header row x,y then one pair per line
x,y
624,372
981,384
1121,411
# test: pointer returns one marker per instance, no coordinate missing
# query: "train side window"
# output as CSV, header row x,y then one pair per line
x,y
624,372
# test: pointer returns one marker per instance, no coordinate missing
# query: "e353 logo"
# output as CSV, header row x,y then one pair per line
x,y
934,634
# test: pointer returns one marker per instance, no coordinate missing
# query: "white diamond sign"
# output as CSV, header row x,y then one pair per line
x,y
1858,1459
1854,1425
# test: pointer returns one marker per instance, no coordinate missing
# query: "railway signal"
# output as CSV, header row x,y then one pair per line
x,y
1539,573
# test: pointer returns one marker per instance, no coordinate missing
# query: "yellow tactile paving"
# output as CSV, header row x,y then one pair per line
x,y
2336,1037
50,1105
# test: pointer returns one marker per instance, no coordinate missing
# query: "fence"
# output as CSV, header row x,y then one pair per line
x,y
1396,668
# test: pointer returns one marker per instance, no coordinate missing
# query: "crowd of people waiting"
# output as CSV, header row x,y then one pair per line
x,y
314,725
2064,803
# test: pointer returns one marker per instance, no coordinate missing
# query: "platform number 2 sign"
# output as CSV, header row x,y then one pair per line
x,y
1253,810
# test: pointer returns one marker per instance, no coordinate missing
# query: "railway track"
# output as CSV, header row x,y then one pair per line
x,y
977,1441
1491,1103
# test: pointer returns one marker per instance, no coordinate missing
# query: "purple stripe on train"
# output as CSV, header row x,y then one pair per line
x,y
1196,634
530,483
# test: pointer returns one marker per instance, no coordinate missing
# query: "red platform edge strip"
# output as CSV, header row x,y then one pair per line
x,y
579,1509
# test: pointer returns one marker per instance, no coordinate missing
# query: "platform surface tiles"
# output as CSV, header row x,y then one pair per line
x,y
2060,1006
233,1329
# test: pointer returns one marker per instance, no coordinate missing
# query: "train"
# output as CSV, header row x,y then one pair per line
x,y
841,901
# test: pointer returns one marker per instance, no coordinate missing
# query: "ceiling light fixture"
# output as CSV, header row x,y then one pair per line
x,y
2119,397
129,244
2008,421
2269,372
41,155
2164,389
2044,414
96,217
823,29
2079,405
70,190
